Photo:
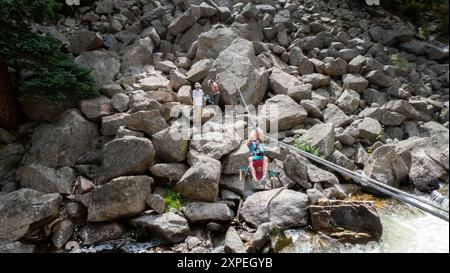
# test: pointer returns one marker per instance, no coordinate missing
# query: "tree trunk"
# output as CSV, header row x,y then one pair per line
x,y
8,114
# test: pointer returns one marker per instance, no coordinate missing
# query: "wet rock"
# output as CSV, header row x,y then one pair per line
x,y
356,222
425,173
120,198
385,166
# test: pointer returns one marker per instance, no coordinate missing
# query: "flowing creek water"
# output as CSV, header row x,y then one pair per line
x,y
405,229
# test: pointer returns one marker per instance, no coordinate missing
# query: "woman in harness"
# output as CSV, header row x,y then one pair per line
x,y
258,163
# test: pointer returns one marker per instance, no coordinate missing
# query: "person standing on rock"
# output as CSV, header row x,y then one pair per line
x,y
258,163
198,102
215,93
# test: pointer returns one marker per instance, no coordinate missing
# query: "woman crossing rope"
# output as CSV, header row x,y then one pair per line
x,y
258,163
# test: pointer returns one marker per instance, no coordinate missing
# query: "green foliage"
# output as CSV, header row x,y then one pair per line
x,y
423,31
382,136
414,10
307,147
398,61
172,200
369,150
50,73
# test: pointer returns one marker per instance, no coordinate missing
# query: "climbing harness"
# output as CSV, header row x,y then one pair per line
x,y
361,179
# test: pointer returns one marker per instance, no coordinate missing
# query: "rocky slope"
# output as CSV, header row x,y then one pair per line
x,y
359,84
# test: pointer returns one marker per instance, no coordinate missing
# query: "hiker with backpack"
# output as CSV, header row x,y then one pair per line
x,y
215,93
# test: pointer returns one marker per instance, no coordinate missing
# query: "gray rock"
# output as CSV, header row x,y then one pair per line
x,y
62,143
185,20
171,171
47,180
201,180
202,212
104,66
111,124
233,243
356,64
177,79
336,67
317,175
94,233
17,247
138,54
149,122
199,70
96,108
369,129
284,111
236,159
25,210
349,101
170,145
312,107
386,166
425,173
314,196
379,78
64,231
169,227
211,43
156,203
384,116
374,96
296,168
120,102
214,144
359,220
340,159
84,40
120,198
322,137
283,83
287,210
333,114
355,82
127,156
317,80
238,65
232,183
